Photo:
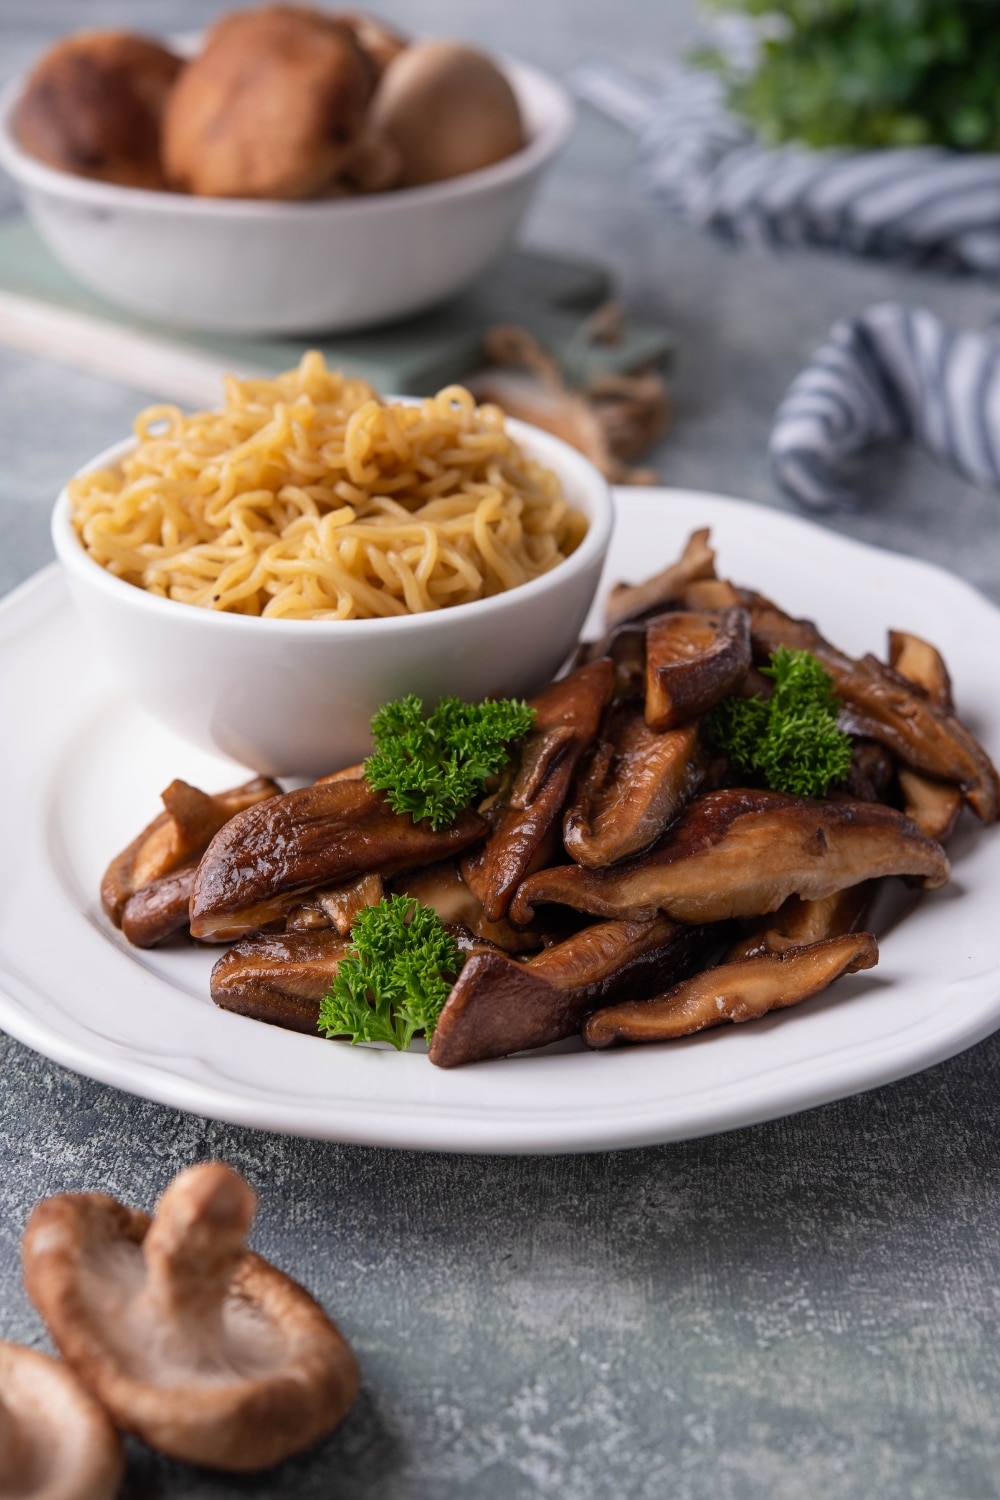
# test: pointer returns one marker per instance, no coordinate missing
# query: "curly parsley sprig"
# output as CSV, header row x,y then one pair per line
x,y
433,767
791,738
400,966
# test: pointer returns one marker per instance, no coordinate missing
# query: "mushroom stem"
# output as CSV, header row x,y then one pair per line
x,y
193,1248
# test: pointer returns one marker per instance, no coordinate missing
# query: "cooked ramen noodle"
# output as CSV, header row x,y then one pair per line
x,y
307,497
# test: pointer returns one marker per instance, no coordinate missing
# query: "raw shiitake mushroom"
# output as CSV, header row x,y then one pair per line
x,y
448,109
93,105
272,108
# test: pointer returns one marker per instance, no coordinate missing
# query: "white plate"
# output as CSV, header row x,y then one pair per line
x,y
81,772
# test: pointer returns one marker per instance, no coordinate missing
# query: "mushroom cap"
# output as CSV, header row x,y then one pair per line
x,y
56,1443
449,109
201,1348
93,105
271,107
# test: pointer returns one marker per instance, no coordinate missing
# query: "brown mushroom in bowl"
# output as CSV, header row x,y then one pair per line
x,y
56,1442
201,1348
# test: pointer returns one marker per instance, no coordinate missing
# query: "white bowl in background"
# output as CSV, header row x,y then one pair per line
x,y
296,697
243,266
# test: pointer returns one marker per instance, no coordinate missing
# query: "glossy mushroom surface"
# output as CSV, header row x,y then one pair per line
x,y
56,1442
279,978
735,992
693,661
741,853
201,1348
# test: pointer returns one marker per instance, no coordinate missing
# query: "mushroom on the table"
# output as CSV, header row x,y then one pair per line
x,y
200,1347
56,1441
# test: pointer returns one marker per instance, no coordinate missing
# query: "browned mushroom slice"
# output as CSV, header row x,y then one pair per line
x,y
259,865
338,905
56,1442
741,853
442,888
871,773
203,1349
525,821
160,909
740,991
798,923
184,829
920,662
498,1006
634,785
693,660
933,805
279,978
629,599
881,705
709,594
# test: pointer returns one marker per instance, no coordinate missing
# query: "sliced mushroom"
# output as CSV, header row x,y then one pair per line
x,y
934,806
921,663
203,1349
741,853
709,594
257,868
628,600
693,660
56,1442
160,909
184,829
737,992
338,906
525,819
280,977
798,923
498,1006
872,771
633,785
883,706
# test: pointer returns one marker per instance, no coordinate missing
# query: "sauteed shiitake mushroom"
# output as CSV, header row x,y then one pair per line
x,y
624,879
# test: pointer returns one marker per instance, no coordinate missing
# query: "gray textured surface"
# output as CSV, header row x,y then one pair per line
x,y
802,1310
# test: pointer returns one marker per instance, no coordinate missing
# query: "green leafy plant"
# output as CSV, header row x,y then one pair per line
x,y
791,738
874,72
400,966
433,767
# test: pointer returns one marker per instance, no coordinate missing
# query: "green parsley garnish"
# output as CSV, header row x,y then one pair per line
x,y
792,737
400,966
434,767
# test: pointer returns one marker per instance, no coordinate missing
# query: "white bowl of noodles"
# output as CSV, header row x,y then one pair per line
x,y
427,547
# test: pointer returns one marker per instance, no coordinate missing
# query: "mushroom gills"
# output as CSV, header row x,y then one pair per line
x,y
203,1349
741,853
733,992
498,1006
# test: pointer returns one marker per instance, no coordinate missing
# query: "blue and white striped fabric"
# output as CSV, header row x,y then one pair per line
x,y
924,205
895,373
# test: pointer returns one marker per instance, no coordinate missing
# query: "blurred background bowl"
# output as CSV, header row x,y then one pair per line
x,y
251,267
296,697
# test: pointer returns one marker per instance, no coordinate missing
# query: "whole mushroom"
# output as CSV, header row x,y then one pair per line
x,y
200,1347
272,107
93,105
56,1443
448,109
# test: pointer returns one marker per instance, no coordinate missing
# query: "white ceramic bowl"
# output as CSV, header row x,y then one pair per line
x,y
247,267
296,697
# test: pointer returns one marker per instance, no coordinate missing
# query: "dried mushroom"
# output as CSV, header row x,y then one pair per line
x,y
56,1442
740,853
271,108
448,109
192,1342
693,661
93,105
735,992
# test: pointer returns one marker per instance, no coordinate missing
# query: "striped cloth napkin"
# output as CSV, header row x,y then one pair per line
x,y
894,374
924,205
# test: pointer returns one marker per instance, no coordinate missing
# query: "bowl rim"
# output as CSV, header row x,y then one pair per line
x,y
527,81
545,447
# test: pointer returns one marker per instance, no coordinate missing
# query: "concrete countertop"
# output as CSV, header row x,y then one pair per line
x,y
807,1308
